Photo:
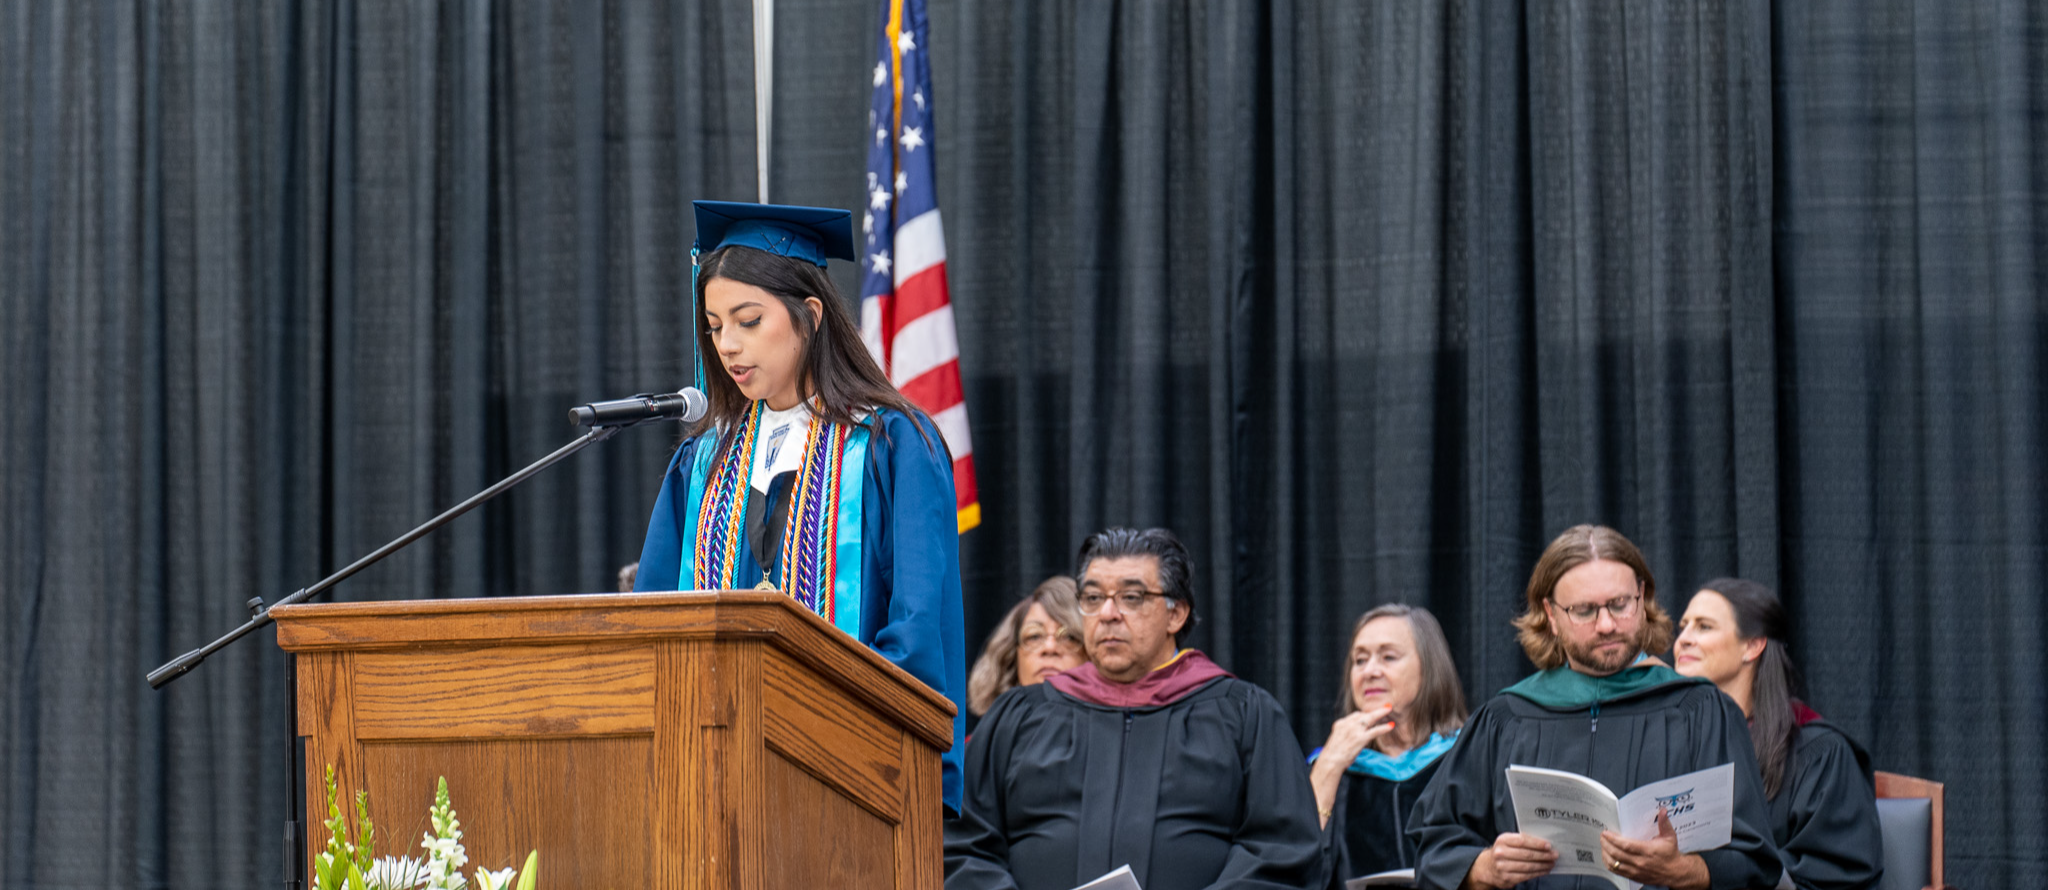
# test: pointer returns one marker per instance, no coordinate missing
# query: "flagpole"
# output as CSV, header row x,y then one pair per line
x,y
764,89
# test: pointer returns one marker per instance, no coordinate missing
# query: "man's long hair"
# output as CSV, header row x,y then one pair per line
x,y
836,368
1579,545
1772,727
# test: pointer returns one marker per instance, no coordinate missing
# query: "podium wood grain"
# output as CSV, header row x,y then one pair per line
x,y
686,740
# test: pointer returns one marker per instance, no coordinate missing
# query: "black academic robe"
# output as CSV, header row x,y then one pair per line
x,y
1659,732
1824,819
1207,791
1368,830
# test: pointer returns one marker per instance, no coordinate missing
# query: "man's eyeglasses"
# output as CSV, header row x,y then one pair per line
x,y
1129,599
1621,607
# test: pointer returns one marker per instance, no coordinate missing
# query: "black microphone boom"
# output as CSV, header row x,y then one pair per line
x,y
605,420
687,405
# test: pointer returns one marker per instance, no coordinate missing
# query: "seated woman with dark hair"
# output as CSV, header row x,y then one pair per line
x,y
1040,637
1400,711
1818,780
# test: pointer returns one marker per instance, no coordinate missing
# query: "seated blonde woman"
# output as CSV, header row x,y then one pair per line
x,y
1039,638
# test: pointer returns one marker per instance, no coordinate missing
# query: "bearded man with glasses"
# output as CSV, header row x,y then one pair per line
x,y
1603,707
1147,755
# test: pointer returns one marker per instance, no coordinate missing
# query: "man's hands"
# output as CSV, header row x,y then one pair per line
x,y
1515,858
1512,859
1655,861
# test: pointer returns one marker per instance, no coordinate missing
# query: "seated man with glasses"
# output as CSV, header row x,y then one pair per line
x,y
1148,755
1599,706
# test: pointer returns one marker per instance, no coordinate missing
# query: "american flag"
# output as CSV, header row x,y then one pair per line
x,y
906,316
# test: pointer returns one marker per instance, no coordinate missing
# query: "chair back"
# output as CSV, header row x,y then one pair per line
x,y
1909,814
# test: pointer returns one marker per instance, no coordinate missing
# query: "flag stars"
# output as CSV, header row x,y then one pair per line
x,y
878,199
881,136
912,138
918,97
905,43
881,73
880,262
902,183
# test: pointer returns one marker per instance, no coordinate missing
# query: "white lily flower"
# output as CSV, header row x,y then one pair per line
x,y
394,873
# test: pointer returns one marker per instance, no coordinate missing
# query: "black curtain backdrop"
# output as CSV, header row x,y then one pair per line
x,y
1367,301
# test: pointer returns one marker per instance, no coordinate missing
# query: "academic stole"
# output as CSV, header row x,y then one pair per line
x,y
821,529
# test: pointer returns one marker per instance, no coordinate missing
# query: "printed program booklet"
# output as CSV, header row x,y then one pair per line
x,y
1121,879
1570,810
1400,877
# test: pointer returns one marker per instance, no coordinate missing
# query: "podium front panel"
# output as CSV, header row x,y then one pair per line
x,y
697,741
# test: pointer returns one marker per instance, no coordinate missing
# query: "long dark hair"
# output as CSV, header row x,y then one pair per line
x,y
837,367
1773,728
1440,702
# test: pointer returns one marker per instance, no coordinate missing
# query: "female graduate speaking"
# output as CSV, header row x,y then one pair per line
x,y
810,474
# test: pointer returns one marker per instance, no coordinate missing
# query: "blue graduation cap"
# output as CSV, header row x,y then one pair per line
x,y
800,233
811,234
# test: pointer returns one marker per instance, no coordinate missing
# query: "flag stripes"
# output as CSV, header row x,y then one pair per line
x,y
906,312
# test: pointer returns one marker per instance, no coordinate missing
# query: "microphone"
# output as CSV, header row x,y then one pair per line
x,y
687,405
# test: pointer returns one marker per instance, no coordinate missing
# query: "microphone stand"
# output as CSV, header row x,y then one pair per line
x,y
259,615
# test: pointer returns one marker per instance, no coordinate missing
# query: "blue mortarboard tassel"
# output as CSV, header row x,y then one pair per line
x,y
696,318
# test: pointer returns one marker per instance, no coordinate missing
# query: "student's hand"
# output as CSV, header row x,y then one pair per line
x,y
1655,861
1512,859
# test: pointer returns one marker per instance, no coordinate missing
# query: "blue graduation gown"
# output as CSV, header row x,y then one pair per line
x,y
910,560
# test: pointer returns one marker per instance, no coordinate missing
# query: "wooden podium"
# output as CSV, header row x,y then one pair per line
x,y
674,740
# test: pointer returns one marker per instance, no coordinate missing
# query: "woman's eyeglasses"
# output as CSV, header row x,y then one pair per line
x,y
1035,637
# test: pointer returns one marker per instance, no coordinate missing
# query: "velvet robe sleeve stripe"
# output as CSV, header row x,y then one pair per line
x,y
1369,819
1825,817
